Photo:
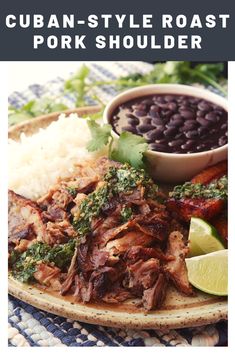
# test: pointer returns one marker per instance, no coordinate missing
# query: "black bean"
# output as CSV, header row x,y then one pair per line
x,y
155,108
158,147
194,100
214,147
160,99
224,127
130,129
212,117
222,141
204,122
206,107
172,106
140,112
167,113
202,131
188,144
154,134
191,134
184,128
144,128
213,131
201,147
219,112
153,114
201,113
187,114
145,120
176,116
169,98
175,123
175,143
141,106
190,122
226,133
147,101
162,148
157,121
133,121
191,127
169,132
179,135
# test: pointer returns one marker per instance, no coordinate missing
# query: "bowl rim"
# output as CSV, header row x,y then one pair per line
x,y
199,92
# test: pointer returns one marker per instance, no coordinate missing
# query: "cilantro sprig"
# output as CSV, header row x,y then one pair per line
x,y
129,148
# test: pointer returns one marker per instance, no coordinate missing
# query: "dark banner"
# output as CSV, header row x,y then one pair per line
x,y
117,30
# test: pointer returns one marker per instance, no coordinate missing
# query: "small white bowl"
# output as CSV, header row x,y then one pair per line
x,y
172,167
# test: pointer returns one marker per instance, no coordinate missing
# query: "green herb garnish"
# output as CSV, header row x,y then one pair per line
x,y
118,180
129,148
23,265
126,214
217,189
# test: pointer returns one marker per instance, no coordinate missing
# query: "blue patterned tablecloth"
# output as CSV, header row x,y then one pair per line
x,y
29,326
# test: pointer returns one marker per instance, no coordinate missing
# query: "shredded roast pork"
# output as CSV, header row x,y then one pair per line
x,y
131,247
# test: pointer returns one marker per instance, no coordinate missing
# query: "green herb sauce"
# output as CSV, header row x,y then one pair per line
x,y
23,265
215,190
126,214
117,180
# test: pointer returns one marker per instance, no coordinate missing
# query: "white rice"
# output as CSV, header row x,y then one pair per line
x,y
36,162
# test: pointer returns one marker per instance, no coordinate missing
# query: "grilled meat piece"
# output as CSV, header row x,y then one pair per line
x,y
176,269
24,219
185,209
208,175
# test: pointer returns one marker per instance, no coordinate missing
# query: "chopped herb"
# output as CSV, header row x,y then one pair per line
x,y
217,189
23,265
117,180
89,208
126,214
72,190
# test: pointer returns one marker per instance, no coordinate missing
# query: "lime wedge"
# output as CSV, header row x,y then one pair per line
x,y
203,238
209,273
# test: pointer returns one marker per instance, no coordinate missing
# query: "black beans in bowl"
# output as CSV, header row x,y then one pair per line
x,y
173,123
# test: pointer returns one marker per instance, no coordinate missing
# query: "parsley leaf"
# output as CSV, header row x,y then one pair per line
x,y
101,135
130,149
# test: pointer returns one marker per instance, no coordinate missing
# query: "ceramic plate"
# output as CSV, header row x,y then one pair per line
x,y
178,311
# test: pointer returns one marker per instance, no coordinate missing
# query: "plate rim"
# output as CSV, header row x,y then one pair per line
x,y
107,317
